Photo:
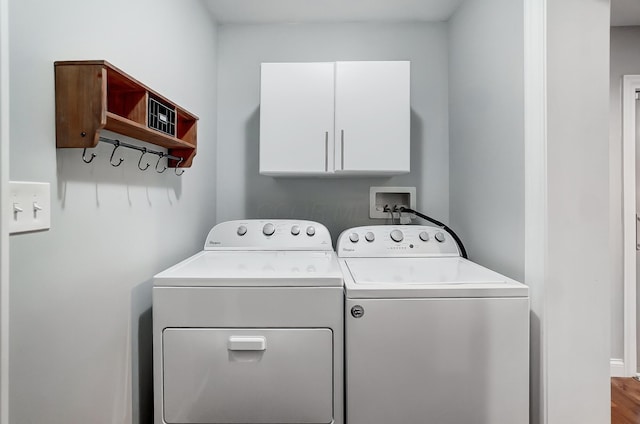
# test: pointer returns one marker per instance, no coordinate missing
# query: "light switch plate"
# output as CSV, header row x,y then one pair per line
x,y
30,205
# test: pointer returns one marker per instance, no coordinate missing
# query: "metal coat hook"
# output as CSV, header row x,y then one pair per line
x,y
84,153
176,168
117,144
160,156
143,150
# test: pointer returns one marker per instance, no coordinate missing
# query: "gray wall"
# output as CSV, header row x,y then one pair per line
x,y
80,330
338,203
625,60
486,83
577,289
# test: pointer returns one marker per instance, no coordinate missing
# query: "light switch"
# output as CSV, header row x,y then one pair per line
x,y
30,206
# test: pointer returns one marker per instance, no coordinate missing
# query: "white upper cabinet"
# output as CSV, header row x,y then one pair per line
x,y
372,117
296,118
334,118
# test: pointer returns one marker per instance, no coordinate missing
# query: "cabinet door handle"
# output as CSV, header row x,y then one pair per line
x,y
326,151
637,232
342,149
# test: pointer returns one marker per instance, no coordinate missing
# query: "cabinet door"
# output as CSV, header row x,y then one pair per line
x,y
296,118
372,117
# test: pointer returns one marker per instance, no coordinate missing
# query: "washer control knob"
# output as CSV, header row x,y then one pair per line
x,y
311,231
242,230
295,230
397,236
268,229
369,237
354,237
424,236
439,236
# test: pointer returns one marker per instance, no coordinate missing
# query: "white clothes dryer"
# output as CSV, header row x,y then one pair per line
x,y
431,338
250,330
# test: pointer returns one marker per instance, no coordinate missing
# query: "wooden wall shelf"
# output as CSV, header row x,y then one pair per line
x,y
93,95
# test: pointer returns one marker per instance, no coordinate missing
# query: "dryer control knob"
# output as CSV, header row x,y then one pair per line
x,y
369,237
354,237
311,231
242,230
295,230
397,236
439,236
268,229
424,236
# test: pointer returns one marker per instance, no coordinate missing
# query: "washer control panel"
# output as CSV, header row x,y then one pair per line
x,y
269,234
396,241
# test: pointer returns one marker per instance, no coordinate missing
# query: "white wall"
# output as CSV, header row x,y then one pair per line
x,y
487,132
338,203
571,311
577,290
80,333
4,211
625,60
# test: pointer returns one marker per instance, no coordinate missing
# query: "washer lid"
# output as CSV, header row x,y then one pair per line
x,y
425,277
253,269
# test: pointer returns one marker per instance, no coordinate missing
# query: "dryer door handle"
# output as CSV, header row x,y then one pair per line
x,y
247,343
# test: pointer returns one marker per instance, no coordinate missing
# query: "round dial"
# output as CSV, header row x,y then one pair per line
x,y
439,236
268,229
242,230
424,236
397,236
354,237
295,230
311,231
369,237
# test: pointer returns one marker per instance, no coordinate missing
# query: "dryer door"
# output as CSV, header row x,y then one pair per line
x,y
215,375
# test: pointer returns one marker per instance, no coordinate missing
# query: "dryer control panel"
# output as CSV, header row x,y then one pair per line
x,y
269,234
383,241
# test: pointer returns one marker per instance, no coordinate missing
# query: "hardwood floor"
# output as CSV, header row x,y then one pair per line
x,y
625,401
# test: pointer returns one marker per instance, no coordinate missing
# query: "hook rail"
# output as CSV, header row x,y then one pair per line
x,y
142,150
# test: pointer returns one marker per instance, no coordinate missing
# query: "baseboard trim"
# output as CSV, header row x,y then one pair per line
x,y
617,368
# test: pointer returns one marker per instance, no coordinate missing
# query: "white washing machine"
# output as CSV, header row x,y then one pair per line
x,y
250,330
431,338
